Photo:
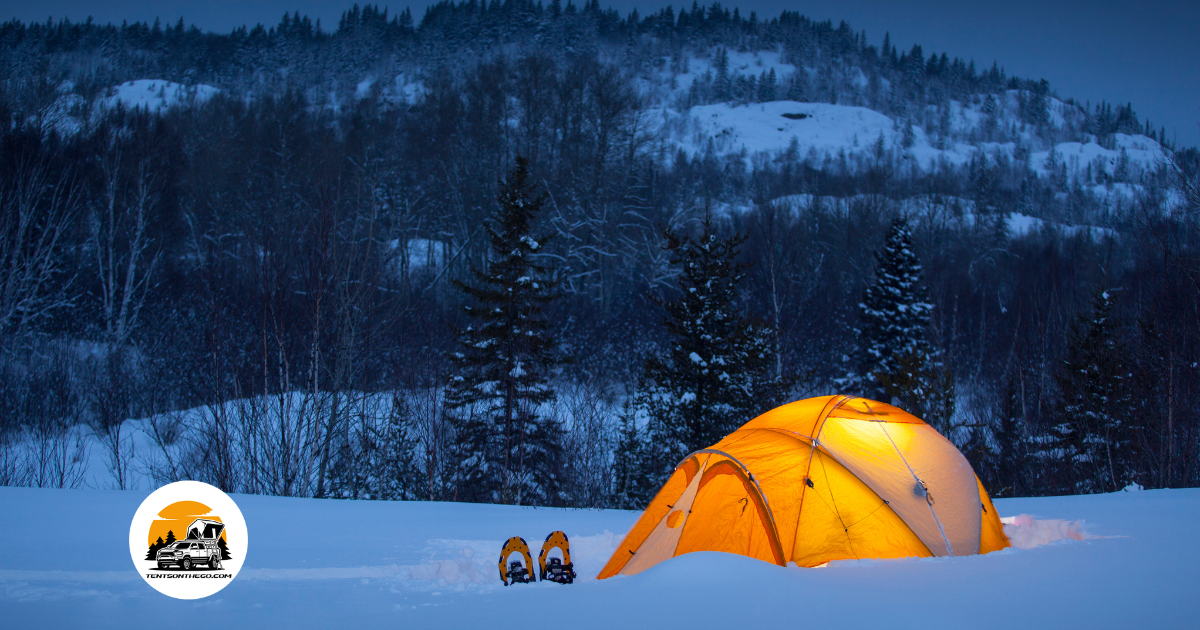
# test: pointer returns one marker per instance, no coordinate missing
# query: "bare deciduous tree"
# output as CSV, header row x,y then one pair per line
x,y
37,206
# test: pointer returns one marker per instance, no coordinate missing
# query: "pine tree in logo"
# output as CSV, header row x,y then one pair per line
x,y
153,553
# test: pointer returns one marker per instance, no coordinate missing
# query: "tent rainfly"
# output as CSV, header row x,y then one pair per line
x,y
829,478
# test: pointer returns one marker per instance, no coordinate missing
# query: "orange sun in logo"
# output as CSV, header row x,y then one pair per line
x,y
175,518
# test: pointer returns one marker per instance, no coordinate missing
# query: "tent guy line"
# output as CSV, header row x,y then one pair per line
x,y
924,489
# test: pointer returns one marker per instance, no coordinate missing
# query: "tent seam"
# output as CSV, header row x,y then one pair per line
x,y
812,448
799,437
758,488
941,530
688,516
838,513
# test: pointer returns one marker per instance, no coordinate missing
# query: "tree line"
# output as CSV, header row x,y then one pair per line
x,y
513,289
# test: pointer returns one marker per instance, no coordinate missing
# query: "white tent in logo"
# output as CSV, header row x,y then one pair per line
x,y
205,529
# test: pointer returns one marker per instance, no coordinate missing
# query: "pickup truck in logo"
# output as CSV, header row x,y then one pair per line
x,y
199,548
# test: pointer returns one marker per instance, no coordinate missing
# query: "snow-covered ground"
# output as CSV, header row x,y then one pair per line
x,y
750,63
819,130
1140,152
941,211
358,564
815,130
157,95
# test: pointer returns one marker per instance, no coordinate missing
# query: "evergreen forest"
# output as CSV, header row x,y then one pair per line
x,y
494,254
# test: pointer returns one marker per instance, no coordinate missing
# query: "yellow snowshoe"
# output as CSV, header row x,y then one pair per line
x,y
516,572
556,569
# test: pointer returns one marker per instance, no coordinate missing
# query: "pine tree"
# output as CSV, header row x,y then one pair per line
x,y
503,451
894,356
351,474
378,460
224,548
395,461
1096,403
944,127
767,85
878,148
722,82
798,86
1009,469
154,548
909,138
627,462
718,372
170,537
989,105
631,485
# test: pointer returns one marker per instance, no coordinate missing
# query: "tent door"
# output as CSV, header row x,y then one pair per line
x,y
660,545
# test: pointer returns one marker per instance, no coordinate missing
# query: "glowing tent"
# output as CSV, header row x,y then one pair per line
x,y
822,479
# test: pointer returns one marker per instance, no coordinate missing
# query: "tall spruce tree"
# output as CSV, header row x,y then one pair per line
x,y
503,450
718,372
895,359
723,80
893,314
1096,423
395,459
1007,470
632,488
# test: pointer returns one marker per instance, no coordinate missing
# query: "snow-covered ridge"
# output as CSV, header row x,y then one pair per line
x,y
824,135
70,112
814,130
1075,158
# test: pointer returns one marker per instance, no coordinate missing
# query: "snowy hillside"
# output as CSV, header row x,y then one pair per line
x,y
322,563
69,113
815,130
157,95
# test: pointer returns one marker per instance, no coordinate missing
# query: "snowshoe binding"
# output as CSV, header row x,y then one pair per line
x,y
515,571
555,569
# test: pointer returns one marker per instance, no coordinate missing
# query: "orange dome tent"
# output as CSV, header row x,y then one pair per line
x,y
830,478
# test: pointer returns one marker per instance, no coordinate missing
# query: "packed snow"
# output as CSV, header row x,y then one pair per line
x,y
1121,560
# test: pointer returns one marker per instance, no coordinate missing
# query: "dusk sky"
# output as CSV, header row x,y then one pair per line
x,y
1147,53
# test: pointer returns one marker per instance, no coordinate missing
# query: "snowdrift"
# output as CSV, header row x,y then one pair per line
x,y
1104,561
